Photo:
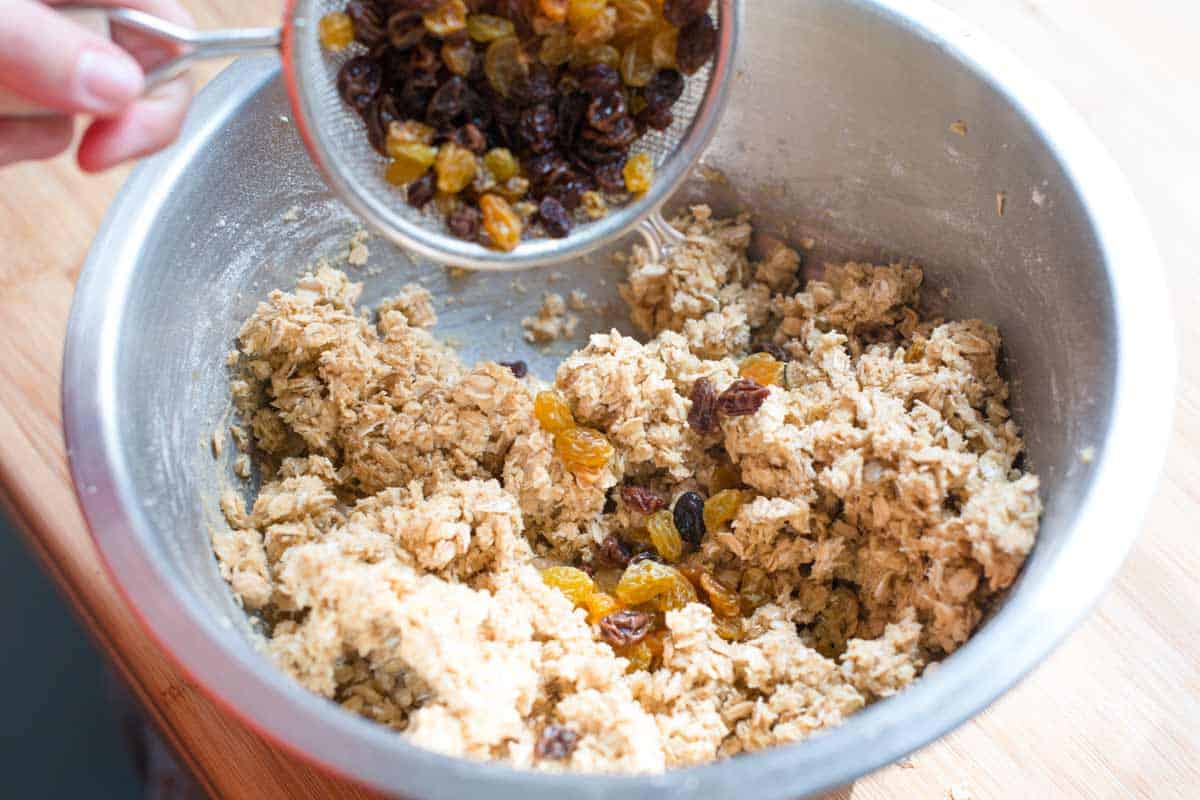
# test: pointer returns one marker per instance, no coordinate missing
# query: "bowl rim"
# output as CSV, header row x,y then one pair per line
x,y
251,689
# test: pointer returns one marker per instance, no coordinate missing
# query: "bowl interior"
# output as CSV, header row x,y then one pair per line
x,y
841,128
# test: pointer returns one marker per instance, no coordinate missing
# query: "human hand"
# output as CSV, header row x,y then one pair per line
x,y
60,65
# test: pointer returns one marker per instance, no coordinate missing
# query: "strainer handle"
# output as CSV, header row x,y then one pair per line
x,y
194,46
659,234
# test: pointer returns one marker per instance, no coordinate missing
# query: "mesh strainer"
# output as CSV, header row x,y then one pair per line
x,y
336,140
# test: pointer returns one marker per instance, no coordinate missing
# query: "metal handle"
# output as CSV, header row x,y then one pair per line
x,y
194,46
659,234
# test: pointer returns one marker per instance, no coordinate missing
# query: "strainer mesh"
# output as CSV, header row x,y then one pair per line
x,y
339,134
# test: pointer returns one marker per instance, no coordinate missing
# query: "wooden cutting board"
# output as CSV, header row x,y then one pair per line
x,y
1114,713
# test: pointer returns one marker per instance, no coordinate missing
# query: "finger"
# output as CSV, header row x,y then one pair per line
x,y
61,65
148,125
147,49
31,139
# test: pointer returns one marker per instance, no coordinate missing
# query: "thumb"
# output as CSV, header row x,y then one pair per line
x,y
59,64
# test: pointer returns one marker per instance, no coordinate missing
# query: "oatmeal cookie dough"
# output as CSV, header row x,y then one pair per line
x,y
409,501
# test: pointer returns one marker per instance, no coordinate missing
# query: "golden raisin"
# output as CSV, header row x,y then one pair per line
x,y
763,369
335,31
836,623
644,581
456,167
723,506
552,412
410,161
572,582
726,476
459,57
556,48
655,640
555,10
406,132
637,63
755,589
581,12
662,47
731,629
723,600
666,540
504,64
600,54
583,451
639,173
634,16
593,204
680,593
488,28
501,163
449,17
502,224
597,30
640,656
513,190
600,605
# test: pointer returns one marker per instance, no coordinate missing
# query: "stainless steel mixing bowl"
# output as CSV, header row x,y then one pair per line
x,y
839,130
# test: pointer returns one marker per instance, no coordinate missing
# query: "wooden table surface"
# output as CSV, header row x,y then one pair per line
x,y
1114,713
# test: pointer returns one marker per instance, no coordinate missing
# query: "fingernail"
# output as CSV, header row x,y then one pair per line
x,y
107,81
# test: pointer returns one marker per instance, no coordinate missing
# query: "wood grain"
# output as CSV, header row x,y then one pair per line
x,y
1114,713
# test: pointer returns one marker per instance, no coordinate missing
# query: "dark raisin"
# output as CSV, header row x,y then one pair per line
x,y
470,137
702,416
463,222
359,81
405,29
536,86
555,743
415,95
681,12
775,351
569,191
378,117
546,170
642,499
624,628
614,551
424,58
554,217
598,79
606,110
537,127
744,396
369,25
619,136
519,368
447,103
610,177
422,190
664,89
572,108
659,118
689,517
697,43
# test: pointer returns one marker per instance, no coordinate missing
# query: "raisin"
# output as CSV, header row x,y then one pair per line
x,y
335,31
552,412
421,191
501,163
678,594
762,368
640,656
456,167
459,57
702,417
448,103
605,111
775,351
726,476
642,499
359,81
600,605
583,451
370,27
618,136
645,580
535,87
615,551
593,204
405,29
657,118
731,629
572,582
554,218
519,368
537,128
489,28
504,63
689,517
379,117
664,89
696,45
582,12
665,538
407,132
554,10
624,628
501,223
463,222
547,170
681,12
599,54
722,507
555,743
754,589
555,48
449,17
723,600
639,173
514,189
610,177
637,62
598,79
634,16
743,397
410,161
836,623
662,48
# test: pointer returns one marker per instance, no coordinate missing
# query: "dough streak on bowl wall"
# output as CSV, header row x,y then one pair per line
x,y
395,554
